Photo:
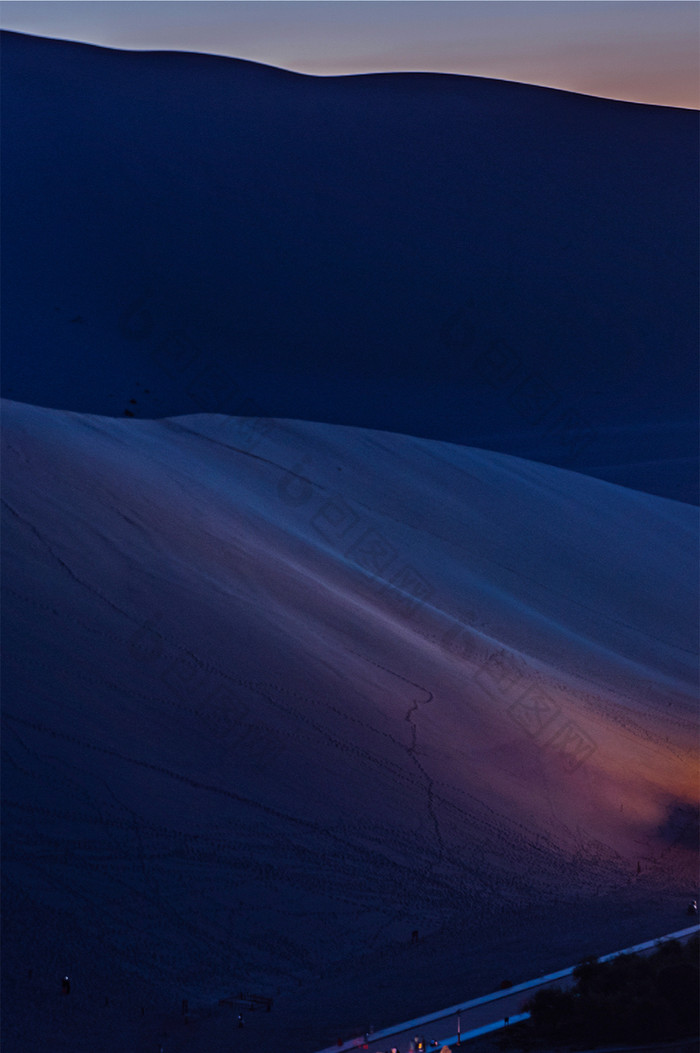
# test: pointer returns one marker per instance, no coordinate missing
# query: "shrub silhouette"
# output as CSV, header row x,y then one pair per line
x,y
631,999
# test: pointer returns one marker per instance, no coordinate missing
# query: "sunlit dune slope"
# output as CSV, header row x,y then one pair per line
x,y
316,685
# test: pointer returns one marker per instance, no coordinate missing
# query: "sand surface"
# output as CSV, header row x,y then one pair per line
x,y
268,713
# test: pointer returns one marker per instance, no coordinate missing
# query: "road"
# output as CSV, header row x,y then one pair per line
x,y
478,1016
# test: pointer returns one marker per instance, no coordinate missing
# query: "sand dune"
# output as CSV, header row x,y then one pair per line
x,y
487,263
271,709
349,557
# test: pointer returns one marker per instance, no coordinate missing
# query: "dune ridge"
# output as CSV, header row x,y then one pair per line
x,y
468,260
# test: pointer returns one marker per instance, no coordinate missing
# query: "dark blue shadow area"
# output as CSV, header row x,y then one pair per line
x,y
487,263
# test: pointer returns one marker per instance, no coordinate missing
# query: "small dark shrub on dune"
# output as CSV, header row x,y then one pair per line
x,y
633,999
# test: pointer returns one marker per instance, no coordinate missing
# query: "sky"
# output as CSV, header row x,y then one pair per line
x,y
638,51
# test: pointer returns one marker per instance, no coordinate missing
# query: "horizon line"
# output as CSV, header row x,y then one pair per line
x,y
358,73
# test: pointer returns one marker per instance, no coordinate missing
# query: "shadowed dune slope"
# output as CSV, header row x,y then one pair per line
x,y
487,263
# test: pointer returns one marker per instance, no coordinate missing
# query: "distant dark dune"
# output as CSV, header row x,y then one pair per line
x,y
471,260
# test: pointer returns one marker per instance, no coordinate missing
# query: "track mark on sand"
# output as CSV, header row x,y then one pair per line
x,y
412,751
